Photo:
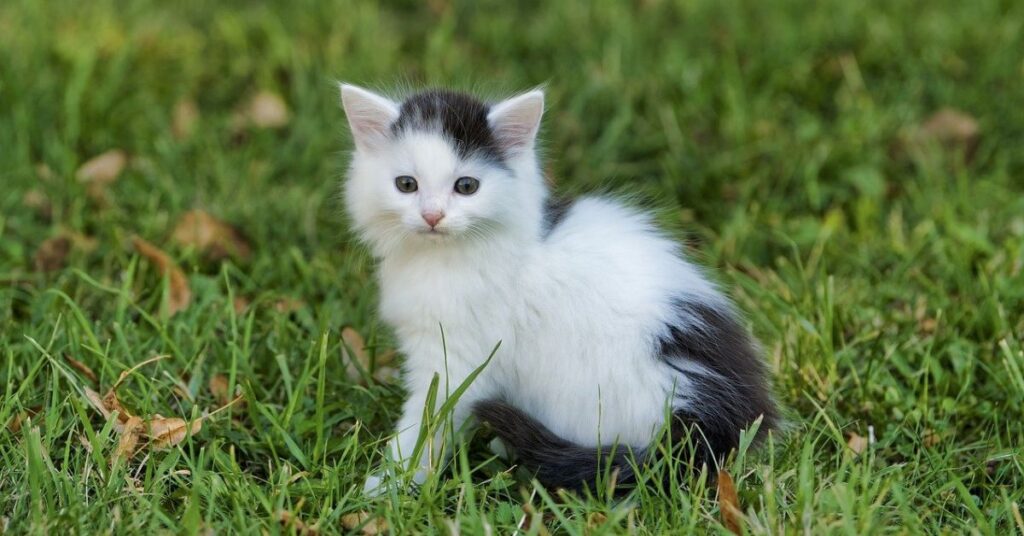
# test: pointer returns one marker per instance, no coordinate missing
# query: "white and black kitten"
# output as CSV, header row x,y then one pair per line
x,y
605,327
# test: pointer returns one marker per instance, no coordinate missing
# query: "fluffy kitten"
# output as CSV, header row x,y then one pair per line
x,y
605,327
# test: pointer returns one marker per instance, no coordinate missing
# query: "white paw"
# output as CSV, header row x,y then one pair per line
x,y
376,485
498,448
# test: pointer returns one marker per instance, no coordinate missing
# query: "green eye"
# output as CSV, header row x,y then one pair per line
x,y
406,184
467,185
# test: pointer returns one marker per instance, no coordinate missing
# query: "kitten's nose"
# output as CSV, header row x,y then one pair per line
x,y
432,217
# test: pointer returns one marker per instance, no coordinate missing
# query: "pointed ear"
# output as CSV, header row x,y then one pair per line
x,y
369,115
515,121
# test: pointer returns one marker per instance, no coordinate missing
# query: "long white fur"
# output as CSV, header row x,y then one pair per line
x,y
578,312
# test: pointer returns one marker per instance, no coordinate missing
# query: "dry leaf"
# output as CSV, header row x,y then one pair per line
x,y
128,441
370,525
18,419
952,129
289,519
103,169
218,385
38,202
214,238
288,305
857,443
729,503
596,519
264,110
353,351
181,294
83,368
165,432
183,123
241,304
96,401
52,254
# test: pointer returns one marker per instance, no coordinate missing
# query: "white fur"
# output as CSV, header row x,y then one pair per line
x,y
578,312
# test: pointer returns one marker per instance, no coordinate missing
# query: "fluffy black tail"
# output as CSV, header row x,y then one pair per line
x,y
555,462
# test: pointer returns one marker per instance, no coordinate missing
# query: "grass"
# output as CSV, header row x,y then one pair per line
x,y
883,277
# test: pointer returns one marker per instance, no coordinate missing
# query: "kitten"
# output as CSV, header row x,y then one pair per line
x,y
605,327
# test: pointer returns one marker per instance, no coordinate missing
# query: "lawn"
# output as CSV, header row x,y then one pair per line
x,y
876,248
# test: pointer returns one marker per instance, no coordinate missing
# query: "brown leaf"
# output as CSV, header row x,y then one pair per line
x,y
288,305
264,110
183,122
52,254
289,519
856,443
96,401
241,304
167,432
214,238
369,525
83,368
180,293
354,351
103,169
218,385
38,202
952,129
18,419
128,441
729,503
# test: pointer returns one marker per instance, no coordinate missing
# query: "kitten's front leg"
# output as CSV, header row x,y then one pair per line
x,y
402,447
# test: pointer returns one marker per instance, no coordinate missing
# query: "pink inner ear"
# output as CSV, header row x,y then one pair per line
x,y
515,121
369,115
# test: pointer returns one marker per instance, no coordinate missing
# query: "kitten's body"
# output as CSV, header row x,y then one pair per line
x,y
603,324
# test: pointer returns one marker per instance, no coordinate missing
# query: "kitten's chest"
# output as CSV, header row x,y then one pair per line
x,y
458,298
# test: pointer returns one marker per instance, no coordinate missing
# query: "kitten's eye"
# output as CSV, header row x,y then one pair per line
x,y
406,184
466,185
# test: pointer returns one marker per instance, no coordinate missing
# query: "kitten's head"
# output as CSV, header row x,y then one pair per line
x,y
442,167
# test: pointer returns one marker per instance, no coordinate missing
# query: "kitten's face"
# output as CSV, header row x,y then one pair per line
x,y
440,167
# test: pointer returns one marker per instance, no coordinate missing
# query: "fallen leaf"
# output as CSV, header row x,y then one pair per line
x,y
167,432
18,419
218,385
290,520
856,443
52,254
128,441
180,293
288,305
214,238
596,519
729,503
103,169
241,304
183,122
96,401
952,129
83,368
354,351
264,110
38,202
369,524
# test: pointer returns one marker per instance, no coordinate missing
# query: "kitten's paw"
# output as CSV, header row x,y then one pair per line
x,y
376,485
497,447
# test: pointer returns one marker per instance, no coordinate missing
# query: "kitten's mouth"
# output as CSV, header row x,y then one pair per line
x,y
433,232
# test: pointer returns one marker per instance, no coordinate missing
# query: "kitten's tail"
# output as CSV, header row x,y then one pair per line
x,y
556,462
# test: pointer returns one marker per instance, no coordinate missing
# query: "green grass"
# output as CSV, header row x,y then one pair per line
x,y
885,280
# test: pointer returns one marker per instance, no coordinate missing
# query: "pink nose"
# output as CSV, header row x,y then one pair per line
x,y
432,218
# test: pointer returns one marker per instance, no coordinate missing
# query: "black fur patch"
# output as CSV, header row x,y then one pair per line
x,y
729,399
555,462
458,116
555,210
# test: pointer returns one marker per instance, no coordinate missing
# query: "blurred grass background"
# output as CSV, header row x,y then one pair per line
x,y
878,253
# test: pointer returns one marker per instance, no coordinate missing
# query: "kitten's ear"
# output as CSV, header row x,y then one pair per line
x,y
369,115
515,121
